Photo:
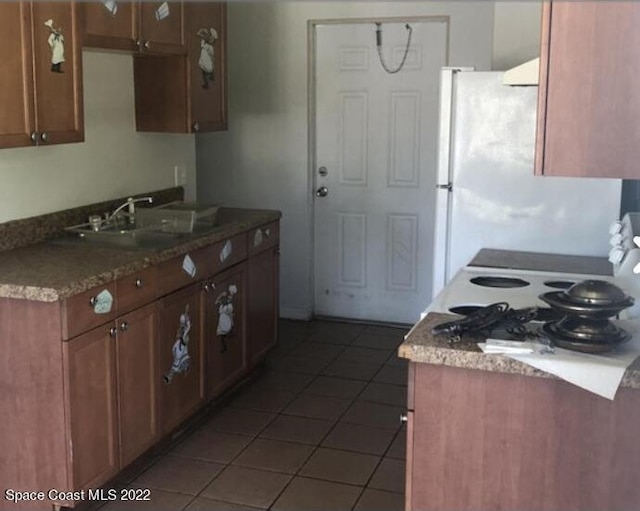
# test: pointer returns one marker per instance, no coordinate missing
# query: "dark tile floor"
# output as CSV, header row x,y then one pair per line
x,y
318,430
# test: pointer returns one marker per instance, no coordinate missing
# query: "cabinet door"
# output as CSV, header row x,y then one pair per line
x,y
206,39
181,356
58,72
263,304
589,108
17,121
110,25
225,336
137,382
91,394
161,25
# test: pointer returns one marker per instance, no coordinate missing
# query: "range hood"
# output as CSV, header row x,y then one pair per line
x,y
524,74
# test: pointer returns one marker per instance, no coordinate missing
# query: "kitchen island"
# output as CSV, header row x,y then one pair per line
x,y
108,352
486,432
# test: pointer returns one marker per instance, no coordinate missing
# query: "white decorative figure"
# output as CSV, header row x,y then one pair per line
x,y
180,349
225,314
208,37
56,43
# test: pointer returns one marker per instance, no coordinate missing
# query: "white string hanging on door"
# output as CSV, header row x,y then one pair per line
x,y
379,47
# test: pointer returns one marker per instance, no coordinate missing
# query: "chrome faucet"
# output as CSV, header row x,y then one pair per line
x,y
129,204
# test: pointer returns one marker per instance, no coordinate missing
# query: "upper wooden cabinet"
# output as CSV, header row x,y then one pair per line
x,y
181,94
588,105
41,86
151,27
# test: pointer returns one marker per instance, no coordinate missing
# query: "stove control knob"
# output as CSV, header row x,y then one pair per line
x,y
615,227
616,239
616,255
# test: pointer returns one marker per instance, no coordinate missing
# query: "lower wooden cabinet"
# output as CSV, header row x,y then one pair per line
x,y
106,373
111,373
225,310
137,377
181,356
262,299
90,374
485,440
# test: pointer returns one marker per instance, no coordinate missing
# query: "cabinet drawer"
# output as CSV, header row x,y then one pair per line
x,y
136,290
263,237
87,310
228,252
175,273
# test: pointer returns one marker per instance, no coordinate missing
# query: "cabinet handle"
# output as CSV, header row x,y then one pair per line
x,y
34,137
196,126
44,137
138,283
146,45
404,418
113,331
124,326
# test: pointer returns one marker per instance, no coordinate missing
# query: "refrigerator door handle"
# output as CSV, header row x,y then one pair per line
x,y
446,186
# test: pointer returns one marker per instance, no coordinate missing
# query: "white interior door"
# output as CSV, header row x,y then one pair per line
x,y
376,136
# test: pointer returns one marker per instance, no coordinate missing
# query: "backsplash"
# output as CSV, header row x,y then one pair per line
x,y
27,231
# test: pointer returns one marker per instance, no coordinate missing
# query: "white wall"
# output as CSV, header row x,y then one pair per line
x,y
114,160
516,36
262,160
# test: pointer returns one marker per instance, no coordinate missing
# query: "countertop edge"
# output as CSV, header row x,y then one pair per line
x,y
420,346
139,260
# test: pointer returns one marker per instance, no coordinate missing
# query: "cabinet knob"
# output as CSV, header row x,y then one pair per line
x,y
34,137
138,43
113,331
44,137
206,288
124,326
404,418
92,301
196,126
146,45
138,283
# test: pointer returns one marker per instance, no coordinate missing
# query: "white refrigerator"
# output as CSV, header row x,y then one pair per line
x,y
488,196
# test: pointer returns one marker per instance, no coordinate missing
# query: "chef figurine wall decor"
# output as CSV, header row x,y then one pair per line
x,y
224,302
180,349
208,37
56,43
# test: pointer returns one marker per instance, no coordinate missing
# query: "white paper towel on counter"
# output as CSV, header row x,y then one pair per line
x,y
600,374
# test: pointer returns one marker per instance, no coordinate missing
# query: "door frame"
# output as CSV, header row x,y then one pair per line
x,y
311,111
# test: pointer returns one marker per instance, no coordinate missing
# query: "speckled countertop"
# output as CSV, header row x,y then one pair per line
x,y
52,271
421,346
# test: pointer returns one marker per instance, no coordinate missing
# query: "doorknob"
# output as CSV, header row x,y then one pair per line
x,y
322,191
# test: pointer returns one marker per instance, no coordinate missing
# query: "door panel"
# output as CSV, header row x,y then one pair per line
x,y
225,312
90,363
104,28
181,363
58,72
137,382
207,91
161,27
376,136
17,116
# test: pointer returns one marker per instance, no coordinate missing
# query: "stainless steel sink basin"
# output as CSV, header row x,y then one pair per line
x,y
124,232
127,232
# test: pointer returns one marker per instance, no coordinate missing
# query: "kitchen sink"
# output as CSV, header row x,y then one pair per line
x,y
128,232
